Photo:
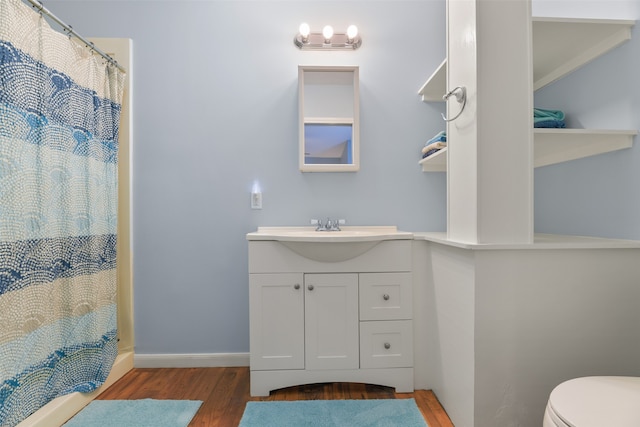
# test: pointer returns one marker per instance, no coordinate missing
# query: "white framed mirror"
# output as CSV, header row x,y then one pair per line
x,y
328,118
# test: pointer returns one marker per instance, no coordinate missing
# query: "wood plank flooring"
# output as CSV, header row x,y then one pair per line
x,y
225,391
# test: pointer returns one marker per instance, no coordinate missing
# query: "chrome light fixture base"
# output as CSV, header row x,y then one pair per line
x,y
316,41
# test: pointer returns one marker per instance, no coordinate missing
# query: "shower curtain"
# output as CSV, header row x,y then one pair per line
x,y
59,116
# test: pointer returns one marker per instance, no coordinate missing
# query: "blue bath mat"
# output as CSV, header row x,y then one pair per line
x,y
136,413
333,413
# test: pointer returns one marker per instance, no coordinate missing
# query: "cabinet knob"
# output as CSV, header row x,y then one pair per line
x,y
310,287
385,297
387,345
296,286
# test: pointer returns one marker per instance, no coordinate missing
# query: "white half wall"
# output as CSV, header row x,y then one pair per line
x,y
511,324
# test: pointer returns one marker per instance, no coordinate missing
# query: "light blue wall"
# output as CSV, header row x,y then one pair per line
x,y
215,108
597,196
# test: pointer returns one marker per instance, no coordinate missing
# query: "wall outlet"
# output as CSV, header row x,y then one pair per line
x,y
256,200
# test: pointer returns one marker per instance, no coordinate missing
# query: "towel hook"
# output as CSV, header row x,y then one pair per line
x,y
460,93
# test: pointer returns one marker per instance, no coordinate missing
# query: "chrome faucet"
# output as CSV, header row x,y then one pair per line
x,y
330,225
333,225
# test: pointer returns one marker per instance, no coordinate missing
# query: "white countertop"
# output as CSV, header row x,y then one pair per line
x,y
541,241
346,234
379,233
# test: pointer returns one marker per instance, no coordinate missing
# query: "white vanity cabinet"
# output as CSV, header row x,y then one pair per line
x,y
345,321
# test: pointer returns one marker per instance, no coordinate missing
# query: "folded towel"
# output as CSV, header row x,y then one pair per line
x,y
548,118
439,137
430,152
541,113
549,123
434,146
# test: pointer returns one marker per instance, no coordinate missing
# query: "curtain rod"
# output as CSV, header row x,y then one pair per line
x,y
36,4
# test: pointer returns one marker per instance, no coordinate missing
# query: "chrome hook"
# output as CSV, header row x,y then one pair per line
x,y
460,92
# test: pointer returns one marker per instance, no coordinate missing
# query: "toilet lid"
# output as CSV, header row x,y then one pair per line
x,y
598,401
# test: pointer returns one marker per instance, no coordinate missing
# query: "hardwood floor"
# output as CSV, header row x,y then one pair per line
x,y
225,391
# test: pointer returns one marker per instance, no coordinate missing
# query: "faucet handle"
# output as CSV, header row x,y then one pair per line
x,y
335,225
318,224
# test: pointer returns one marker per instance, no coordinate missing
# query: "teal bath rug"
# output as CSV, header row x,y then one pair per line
x,y
333,413
136,413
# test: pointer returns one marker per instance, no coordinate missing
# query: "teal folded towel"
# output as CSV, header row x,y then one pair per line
x,y
540,114
439,137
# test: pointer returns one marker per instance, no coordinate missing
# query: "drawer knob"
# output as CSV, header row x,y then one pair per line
x,y
387,345
385,297
296,286
310,287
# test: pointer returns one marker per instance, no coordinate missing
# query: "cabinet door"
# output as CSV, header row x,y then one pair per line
x,y
276,307
331,321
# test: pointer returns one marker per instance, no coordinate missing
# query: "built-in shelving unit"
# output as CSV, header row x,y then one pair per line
x,y
551,146
560,46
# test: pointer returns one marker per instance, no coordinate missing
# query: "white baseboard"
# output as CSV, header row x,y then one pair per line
x,y
191,360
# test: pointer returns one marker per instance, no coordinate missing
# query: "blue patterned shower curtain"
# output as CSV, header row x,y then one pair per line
x,y
59,116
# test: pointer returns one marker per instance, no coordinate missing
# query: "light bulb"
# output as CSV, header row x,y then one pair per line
x,y
352,32
327,33
304,30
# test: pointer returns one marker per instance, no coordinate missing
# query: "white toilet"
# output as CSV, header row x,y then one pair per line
x,y
595,402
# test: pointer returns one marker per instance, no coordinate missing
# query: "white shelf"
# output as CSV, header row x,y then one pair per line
x,y
435,85
560,46
552,146
437,162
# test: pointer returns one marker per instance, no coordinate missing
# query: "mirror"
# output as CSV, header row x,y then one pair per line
x,y
328,119
328,143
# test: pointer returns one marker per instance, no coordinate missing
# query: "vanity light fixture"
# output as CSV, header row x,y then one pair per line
x,y
327,39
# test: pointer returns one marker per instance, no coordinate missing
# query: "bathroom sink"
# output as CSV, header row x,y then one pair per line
x,y
329,246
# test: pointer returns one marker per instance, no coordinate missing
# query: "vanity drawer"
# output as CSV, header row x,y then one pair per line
x,y
386,344
386,296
